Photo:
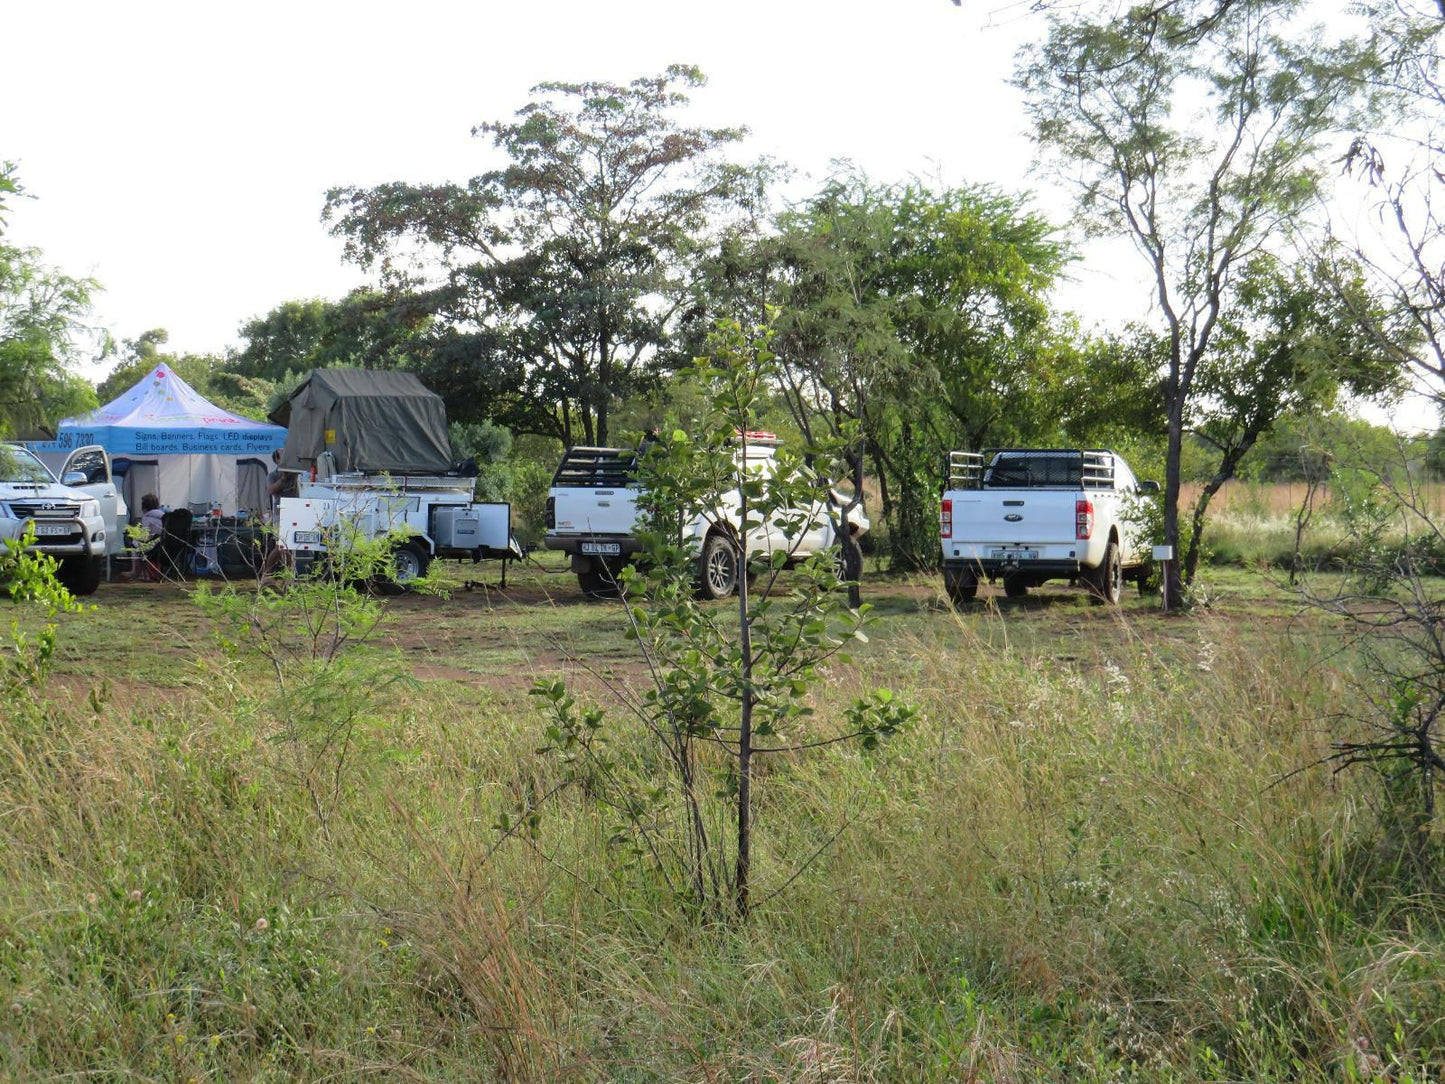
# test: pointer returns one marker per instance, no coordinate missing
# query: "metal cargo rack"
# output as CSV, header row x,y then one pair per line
x,y
400,482
965,470
597,468
1083,469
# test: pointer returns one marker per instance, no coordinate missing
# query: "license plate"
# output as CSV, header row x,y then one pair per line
x,y
307,538
1013,553
606,549
43,530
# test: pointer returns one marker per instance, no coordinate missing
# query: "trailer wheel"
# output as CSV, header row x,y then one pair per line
x,y
719,577
409,562
961,584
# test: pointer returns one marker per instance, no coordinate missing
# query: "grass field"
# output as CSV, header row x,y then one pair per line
x,y
1105,850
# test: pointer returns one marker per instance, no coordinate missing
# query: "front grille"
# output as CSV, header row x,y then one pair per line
x,y
45,509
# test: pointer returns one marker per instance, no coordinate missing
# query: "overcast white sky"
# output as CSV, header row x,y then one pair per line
x,y
179,152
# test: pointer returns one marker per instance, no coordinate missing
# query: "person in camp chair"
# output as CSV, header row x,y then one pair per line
x,y
152,523
151,516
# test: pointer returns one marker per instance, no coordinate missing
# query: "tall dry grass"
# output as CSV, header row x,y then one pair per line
x,y
1106,860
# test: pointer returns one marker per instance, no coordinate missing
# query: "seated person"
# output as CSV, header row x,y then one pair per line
x,y
151,522
151,515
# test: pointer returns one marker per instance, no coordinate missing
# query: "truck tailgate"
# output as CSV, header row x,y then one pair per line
x,y
594,511
1014,517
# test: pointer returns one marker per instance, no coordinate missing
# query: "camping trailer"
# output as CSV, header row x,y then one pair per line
x,y
373,456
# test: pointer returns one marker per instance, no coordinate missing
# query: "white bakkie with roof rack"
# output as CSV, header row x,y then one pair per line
x,y
592,515
1027,515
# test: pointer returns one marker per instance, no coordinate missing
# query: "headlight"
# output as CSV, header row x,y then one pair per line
x,y
89,509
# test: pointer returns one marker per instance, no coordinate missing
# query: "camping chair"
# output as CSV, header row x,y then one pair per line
x,y
174,555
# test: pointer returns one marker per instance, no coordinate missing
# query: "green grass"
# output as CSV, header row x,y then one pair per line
x,y
1104,851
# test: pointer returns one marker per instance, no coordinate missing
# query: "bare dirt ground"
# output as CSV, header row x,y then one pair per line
x,y
146,642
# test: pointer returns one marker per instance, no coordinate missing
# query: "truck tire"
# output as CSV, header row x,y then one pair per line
x,y
1015,585
1106,583
850,560
961,585
1148,585
599,582
81,575
718,574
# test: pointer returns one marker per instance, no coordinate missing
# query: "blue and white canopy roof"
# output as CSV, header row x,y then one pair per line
x,y
163,415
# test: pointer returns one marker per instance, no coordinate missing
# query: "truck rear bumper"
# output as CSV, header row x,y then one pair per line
x,y
993,568
594,545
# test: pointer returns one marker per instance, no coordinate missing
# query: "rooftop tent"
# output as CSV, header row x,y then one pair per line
x,y
168,439
368,420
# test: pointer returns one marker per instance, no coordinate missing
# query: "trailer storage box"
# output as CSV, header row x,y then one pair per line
x,y
485,526
458,527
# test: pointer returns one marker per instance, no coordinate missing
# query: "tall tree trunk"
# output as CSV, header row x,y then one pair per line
x,y
1173,582
1227,466
604,381
741,885
1196,532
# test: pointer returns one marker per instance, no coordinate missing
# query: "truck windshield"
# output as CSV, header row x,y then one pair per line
x,y
18,465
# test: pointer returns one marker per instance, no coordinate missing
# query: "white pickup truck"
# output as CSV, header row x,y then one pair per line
x,y
78,520
1025,516
592,515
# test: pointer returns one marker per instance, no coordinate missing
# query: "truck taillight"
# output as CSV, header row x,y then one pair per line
x,y
945,519
551,513
1083,519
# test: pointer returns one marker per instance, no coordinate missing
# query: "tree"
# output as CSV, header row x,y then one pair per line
x,y
1283,347
1401,165
737,686
366,329
916,319
1199,191
554,280
42,332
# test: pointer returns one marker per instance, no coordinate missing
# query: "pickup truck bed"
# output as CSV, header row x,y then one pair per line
x,y
1025,516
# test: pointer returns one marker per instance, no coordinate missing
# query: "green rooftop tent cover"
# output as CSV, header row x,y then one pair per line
x,y
368,419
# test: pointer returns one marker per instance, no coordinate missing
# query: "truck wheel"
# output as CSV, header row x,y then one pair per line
x,y
1148,585
850,560
961,585
1015,586
598,583
719,577
1106,583
81,575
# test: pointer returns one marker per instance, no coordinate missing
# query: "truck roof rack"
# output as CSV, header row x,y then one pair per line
x,y
596,468
1069,468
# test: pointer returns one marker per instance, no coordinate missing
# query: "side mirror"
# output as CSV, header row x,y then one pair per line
x,y
74,478
1149,486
